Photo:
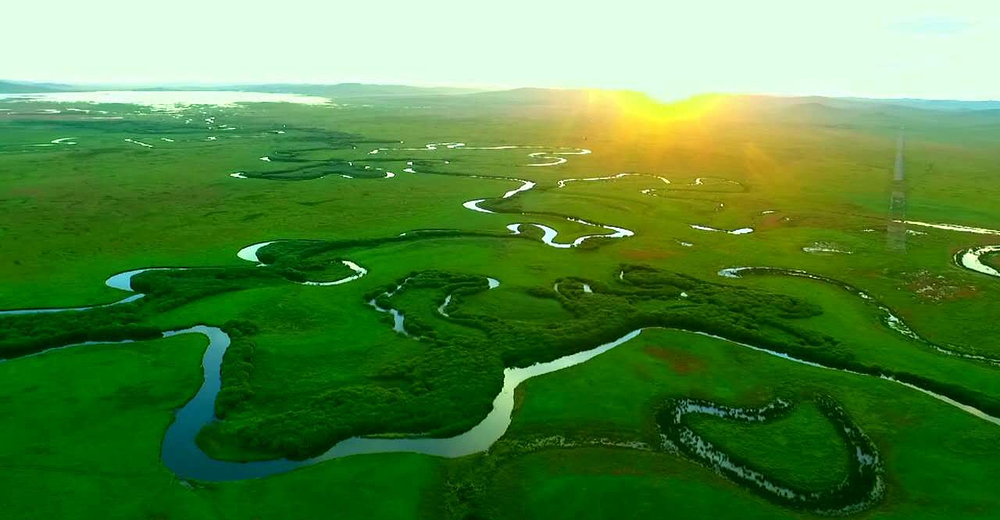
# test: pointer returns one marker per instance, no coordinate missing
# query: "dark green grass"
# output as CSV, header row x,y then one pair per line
x,y
615,395
80,214
781,449
86,444
516,304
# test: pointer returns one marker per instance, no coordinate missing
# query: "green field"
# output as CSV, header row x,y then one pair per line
x,y
366,201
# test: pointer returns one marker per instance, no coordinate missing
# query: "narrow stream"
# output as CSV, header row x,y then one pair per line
x,y
120,281
491,283
863,486
562,183
181,454
739,231
890,319
971,259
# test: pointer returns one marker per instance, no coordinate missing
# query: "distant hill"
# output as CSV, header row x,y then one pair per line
x,y
345,90
935,104
532,96
24,87
887,114
740,104
594,99
903,105
340,90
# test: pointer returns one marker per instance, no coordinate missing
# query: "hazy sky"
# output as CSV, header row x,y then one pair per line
x,y
878,48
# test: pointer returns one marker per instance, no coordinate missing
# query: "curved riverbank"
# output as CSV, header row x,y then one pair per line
x,y
889,318
972,259
120,281
182,455
865,483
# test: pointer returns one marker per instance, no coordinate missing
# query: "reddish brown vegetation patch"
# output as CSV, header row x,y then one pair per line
x,y
680,362
937,288
770,221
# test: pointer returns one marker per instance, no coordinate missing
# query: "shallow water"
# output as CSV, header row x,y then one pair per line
x,y
181,454
889,318
358,273
739,231
705,452
140,143
549,234
474,205
442,309
551,157
249,253
556,162
167,99
525,186
398,320
562,183
970,259
12,312
121,281
952,227
825,248
491,283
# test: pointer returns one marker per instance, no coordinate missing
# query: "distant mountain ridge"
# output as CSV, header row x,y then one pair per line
x,y
859,103
339,90
532,96
26,87
342,90
934,104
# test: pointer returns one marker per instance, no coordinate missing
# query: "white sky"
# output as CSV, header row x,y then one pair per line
x,y
671,49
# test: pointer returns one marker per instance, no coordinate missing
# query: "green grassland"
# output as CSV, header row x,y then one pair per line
x,y
107,464
615,393
313,365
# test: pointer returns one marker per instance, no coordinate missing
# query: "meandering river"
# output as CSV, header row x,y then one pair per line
x,y
182,455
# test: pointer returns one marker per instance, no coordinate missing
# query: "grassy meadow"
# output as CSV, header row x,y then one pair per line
x,y
313,365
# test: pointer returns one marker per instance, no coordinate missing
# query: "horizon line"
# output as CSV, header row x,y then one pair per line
x,y
480,87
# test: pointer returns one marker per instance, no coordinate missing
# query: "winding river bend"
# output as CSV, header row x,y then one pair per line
x,y
549,234
972,259
123,281
889,318
968,258
120,281
553,157
863,487
181,454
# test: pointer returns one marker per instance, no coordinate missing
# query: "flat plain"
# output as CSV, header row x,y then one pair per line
x,y
520,304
